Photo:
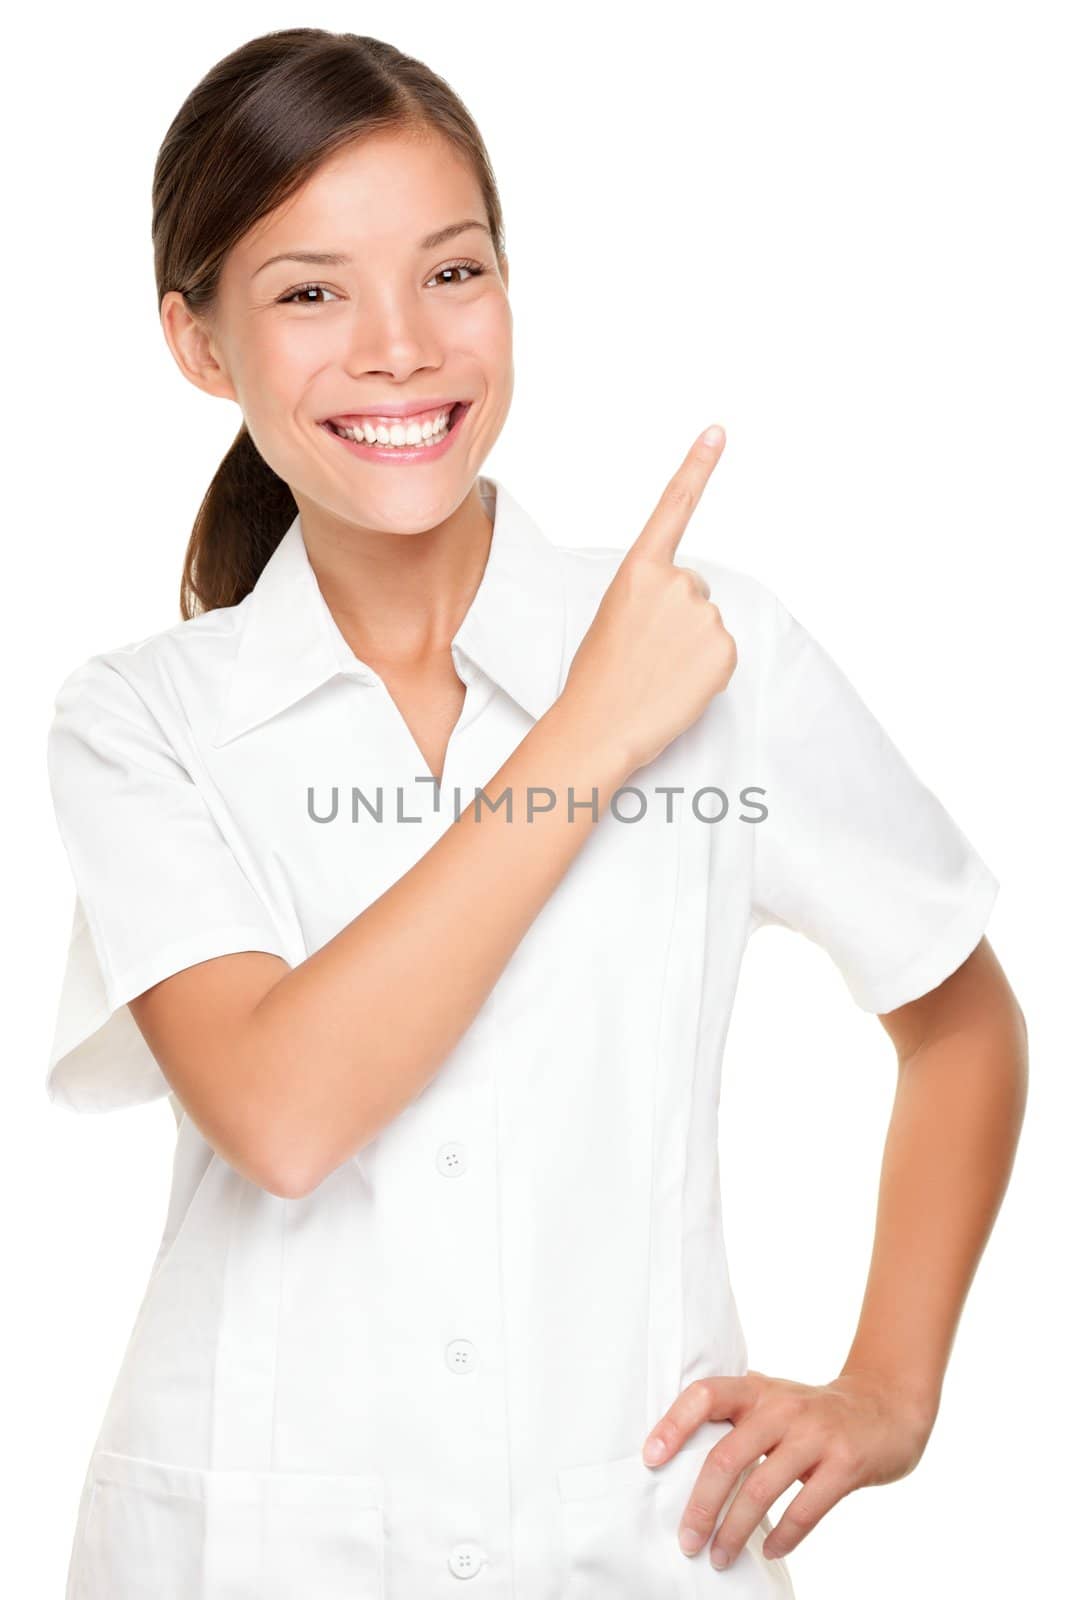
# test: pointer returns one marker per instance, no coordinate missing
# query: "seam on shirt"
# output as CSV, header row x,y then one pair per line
x,y
768,642
491,1017
231,837
169,1248
568,618
77,1554
195,768
651,1404
698,1038
286,1217
221,1325
283,1224
100,949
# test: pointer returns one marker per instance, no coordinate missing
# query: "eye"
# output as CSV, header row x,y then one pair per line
x,y
305,288
474,268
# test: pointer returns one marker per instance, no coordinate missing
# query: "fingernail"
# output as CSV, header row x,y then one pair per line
x,y
719,1558
690,1541
712,435
655,1450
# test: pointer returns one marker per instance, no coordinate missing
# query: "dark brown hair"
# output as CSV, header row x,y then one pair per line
x,y
251,132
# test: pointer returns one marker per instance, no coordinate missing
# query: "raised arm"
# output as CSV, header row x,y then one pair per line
x,y
290,1071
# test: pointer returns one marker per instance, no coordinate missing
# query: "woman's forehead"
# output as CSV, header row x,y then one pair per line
x,y
377,193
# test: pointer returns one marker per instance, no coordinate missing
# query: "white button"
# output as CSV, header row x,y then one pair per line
x,y
466,1560
461,1356
452,1159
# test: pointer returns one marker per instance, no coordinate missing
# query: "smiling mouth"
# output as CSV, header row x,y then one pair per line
x,y
400,433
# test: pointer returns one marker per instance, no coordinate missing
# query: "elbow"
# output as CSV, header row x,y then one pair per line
x,y
268,1140
286,1148
287,1183
283,1181
288,1177
284,1173
291,1179
293,1174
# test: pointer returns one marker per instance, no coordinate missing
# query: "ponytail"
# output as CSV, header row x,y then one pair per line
x,y
239,525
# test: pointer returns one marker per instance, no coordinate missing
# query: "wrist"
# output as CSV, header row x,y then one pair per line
x,y
920,1400
596,754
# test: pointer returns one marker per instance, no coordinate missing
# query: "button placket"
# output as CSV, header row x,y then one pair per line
x,y
462,1356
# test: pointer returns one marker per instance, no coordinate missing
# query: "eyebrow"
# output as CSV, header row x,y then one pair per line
x,y
331,258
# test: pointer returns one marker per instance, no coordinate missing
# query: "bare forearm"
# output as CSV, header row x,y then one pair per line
x,y
347,1039
948,1157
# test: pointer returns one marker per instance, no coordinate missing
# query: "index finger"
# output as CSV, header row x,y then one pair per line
x,y
662,533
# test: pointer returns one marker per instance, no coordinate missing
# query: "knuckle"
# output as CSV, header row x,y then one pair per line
x,y
791,1529
632,565
753,1490
724,1461
634,575
670,1432
845,1460
803,1516
817,1441
728,657
699,1515
701,1389
791,1407
678,495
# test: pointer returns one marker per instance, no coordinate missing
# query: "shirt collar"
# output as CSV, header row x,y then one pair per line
x,y
513,631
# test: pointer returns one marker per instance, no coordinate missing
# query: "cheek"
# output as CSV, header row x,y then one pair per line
x,y
288,358
299,346
274,388
278,368
484,328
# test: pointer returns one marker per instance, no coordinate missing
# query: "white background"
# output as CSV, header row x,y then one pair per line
x,y
837,230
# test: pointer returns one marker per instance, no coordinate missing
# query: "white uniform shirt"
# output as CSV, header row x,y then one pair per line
x,y
440,1366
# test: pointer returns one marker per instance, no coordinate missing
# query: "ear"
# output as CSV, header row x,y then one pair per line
x,y
193,346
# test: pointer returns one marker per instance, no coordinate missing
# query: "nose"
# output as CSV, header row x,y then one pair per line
x,y
390,334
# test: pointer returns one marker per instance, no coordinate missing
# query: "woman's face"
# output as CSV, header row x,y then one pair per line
x,y
393,317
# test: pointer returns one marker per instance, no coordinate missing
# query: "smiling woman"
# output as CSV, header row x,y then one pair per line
x,y
389,329
444,1244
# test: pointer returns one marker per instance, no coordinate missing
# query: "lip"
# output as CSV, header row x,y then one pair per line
x,y
398,454
402,408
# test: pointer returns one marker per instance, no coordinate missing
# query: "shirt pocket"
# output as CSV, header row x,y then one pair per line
x,y
620,1529
155,1531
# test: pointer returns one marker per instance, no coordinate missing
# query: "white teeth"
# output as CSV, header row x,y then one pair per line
x,y
407,434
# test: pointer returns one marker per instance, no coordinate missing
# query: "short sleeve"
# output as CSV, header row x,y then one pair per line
x,y
157,886
856,853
